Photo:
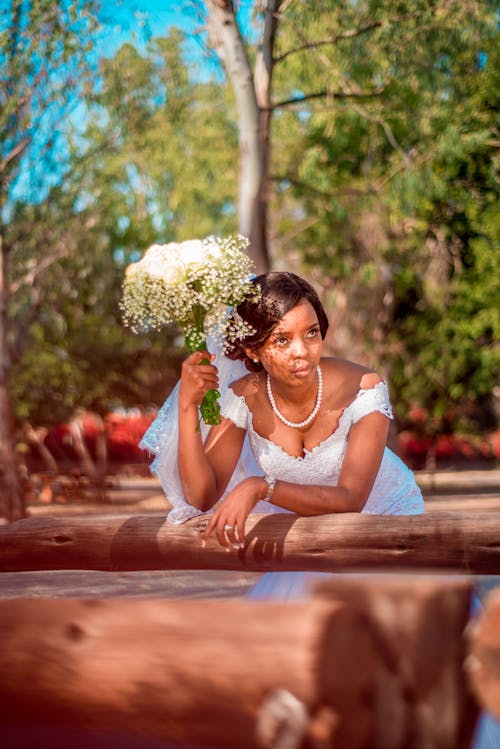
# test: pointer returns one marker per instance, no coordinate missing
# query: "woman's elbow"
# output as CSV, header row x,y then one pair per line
x,y
202,499
347,500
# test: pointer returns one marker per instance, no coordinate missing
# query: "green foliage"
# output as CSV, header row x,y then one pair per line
x,y
388,188
45,59
71,349
172,163
144,170
385,192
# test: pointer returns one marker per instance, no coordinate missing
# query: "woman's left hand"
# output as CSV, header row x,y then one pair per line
x,y
228,520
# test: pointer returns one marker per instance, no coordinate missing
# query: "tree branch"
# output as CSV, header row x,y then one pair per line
x,y
325,93
311,188
14,153
365,29
387,130
42,264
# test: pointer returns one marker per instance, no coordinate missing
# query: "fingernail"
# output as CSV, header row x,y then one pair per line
x,y
203,544
228,549
242,546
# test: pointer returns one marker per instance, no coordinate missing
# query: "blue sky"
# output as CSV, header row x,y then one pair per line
x,y
135,18
132,21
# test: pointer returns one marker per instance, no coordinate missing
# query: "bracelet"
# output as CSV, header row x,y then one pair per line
x,y
271,483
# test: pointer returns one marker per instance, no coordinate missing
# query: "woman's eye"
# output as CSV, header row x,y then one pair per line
x,y
281,341
313,333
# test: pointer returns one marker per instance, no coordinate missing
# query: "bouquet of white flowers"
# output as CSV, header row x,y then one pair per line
x,y
194,285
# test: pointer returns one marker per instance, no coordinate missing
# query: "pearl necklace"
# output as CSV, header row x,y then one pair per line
x,y
312,415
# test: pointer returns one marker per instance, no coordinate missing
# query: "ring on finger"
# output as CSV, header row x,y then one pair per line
x,y
228,527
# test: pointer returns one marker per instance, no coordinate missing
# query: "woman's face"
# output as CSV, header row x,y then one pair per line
x,y
292,352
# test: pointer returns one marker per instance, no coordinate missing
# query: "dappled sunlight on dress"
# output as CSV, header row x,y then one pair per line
x,y
395,491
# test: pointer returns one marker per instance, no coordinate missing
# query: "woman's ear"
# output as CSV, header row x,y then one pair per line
x,y
252,355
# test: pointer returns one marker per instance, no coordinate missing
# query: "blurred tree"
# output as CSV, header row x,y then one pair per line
x,y
171,172
386,186
446,310
312,45
142,170
44,62
385,137
252,91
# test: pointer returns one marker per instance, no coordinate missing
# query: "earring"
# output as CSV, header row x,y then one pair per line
x,y
255,361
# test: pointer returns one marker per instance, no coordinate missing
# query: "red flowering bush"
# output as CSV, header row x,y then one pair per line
x,y
418,444
124,431
419,449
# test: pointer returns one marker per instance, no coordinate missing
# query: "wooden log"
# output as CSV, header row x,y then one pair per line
x,y
213,673
378,670
418,623
483,662
465,542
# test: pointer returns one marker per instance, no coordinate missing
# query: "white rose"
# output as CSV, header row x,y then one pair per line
x,y
213,250
153,261
163,261
133,269
193,253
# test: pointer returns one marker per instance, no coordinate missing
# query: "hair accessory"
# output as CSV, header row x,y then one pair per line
x,y
312,415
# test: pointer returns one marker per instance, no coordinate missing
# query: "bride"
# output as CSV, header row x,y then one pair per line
x,y
300,432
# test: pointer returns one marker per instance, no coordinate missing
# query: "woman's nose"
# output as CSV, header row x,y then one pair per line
x,y
298,347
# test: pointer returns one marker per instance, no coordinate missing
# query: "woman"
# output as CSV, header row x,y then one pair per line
x,y
300,432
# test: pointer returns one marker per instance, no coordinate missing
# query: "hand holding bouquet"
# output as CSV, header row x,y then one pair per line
x,y
194,285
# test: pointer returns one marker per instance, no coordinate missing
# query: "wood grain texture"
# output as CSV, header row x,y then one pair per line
x,y
218,673
365,664
464,542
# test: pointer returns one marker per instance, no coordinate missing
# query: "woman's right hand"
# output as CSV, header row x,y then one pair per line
x,y
197,378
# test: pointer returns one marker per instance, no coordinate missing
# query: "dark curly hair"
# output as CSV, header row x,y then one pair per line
x,y
279,293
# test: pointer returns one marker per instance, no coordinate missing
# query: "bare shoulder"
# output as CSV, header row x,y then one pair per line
x,y
346,378
247,386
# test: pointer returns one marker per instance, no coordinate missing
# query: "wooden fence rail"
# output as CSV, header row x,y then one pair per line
x,y
365,664
467,542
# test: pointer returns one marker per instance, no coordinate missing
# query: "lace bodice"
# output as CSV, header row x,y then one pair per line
x,y
394,490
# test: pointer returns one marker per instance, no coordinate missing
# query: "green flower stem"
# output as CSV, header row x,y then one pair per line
x,y
209,407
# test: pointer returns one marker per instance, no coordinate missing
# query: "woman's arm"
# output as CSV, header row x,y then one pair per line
x,y
204,469
367,439
365,448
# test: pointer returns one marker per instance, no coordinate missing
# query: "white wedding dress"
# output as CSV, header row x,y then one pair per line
x,y
395,491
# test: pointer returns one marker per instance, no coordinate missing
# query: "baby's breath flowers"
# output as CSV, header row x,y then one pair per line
x,y
194,285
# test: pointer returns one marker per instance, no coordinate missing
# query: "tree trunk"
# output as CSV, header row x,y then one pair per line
x,y
317,673
79,446
101,452
227,39
36,438
460,542
11,489
263,80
